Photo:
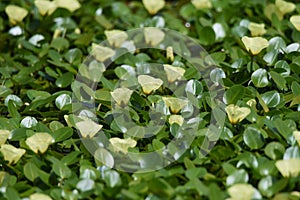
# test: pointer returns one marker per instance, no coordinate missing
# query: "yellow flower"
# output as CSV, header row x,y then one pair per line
x,y
153,36
201,4
116,37
256,29
149,84
175,104
4,134
178,119
88,128
255,44
236,113
153,6
39,142
284,7
121,95
297,136
15,13
39,196
11,153
170,54
102,53
70,5
289,168
173,73
122,145
45,6
295,20
241,191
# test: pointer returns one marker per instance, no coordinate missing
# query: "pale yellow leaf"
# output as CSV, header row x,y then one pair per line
x,y
236,113
122,145
39,196
257,29
289,168
121,96
4,134
153,6
45,6
39,142
241,191
102,53
153,36
295,20
178,119
271,9
149,84
15,13
173,73
175,104
88,128
11,153
201,4
255,44
116,37
70,5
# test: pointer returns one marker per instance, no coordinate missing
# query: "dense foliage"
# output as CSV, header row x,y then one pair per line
x,y
255,46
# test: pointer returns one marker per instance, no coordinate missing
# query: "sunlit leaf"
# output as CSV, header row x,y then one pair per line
x,y
175,104
201,4
116,37
255,44
88,128
289,168
153,6
295,20
15,13
178,119
122,145
149,84
28,122
236,114
39,142
173,73
11,153
153,36
256,29
102,53
4,134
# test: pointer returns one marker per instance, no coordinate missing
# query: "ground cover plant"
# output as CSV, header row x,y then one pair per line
x,y
45,99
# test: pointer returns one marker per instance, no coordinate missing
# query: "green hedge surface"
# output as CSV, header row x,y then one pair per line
x,y
151,99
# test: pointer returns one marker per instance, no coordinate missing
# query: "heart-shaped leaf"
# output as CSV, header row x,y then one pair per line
x,y
121,96
153,36
116,37
289,168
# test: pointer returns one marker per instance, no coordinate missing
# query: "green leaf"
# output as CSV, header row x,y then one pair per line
x,y
272,98
279,80
260,78
31,171
233,94
65,80
274,150
73,56
253,137
207,36
240,176
62,100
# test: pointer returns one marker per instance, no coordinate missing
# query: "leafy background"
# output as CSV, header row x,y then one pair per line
x,y
256,157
